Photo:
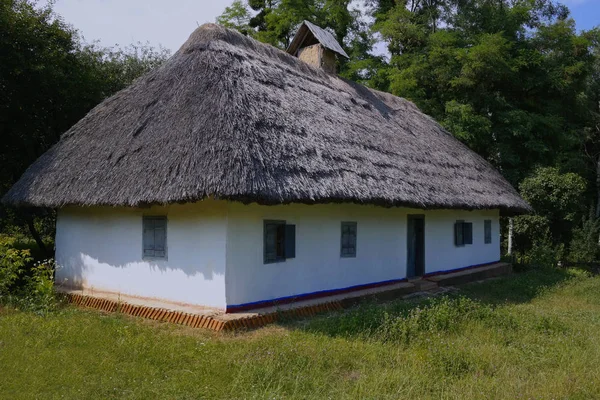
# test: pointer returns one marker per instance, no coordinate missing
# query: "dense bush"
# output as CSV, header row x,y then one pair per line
x,y
13,262
584,246
556,198
557,230
24,283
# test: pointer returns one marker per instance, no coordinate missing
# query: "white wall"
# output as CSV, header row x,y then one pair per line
x,y
101,249
381,248
440,252
215,250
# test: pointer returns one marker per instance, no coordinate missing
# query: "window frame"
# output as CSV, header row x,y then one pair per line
x,y
350,224
278,258
460,227
459,230
146,218
487,231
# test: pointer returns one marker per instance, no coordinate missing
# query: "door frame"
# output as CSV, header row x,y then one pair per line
x,y
414,269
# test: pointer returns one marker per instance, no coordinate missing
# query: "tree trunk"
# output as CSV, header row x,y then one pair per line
x,y
510,237
36,235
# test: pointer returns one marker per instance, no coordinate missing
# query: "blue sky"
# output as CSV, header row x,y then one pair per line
x,y
585,12
170,22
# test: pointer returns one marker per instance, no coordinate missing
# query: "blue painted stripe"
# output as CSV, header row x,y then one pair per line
x,y
331,292
449,271
306,296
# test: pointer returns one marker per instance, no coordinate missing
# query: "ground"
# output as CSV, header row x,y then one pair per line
x,y
535,334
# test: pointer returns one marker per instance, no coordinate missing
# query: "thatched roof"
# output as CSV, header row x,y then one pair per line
x,y
228,117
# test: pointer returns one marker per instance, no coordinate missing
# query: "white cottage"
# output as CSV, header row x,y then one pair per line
x,y
237,176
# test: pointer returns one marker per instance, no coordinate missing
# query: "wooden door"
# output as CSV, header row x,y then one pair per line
x,y
415,238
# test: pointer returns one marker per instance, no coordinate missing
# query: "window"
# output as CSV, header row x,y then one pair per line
x,y
279,241
463,233
348,239
155,237
487,231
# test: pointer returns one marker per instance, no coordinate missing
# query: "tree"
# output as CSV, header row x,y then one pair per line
x,y
558,201
506,78
237,16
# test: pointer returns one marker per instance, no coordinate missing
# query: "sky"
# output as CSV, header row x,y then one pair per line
x,y
168,23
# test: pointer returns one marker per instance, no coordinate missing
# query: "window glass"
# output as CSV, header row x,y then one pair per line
x,y
349,233
274,241
463,233
487,228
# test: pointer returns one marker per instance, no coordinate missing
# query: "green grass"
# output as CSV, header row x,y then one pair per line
x,y
532,335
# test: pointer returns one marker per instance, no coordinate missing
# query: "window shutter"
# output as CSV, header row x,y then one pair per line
x,y
160,237
468,233
458,234
290,241
154,238
148,237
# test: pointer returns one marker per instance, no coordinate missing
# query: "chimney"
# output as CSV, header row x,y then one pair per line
x,y
317,47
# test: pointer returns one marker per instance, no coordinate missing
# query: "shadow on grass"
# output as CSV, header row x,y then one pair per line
x,y
520,287
369,319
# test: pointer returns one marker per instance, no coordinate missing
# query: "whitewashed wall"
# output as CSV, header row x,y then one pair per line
x,y
101,249
440,252
381,248
215,250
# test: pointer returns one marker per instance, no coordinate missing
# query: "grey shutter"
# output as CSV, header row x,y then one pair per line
x,y
458,234
352,240
290,241
154,237
468,233
160,237
148,237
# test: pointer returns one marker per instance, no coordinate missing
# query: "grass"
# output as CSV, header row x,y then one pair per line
x,y
532,335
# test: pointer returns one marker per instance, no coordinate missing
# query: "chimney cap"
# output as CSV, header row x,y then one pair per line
x,y
308,30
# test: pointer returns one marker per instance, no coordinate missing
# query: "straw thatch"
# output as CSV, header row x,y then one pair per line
x,y
230,118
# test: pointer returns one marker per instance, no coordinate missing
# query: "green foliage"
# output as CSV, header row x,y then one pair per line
x,y
509,79
544,238
113,69
23,283
557,199
236,16
38,293
584,247
553,194
542,254
13,263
